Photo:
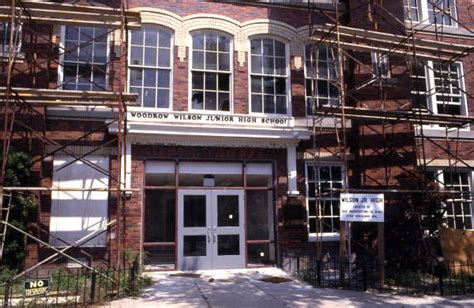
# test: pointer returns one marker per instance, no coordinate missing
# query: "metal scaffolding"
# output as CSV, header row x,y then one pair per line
x,y
23,19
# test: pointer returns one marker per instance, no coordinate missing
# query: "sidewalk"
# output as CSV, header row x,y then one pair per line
x,y
242,288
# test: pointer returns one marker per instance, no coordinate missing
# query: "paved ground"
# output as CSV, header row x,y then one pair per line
x,y
242,288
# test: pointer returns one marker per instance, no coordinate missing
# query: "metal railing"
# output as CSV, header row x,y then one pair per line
x,y
430,278
76,286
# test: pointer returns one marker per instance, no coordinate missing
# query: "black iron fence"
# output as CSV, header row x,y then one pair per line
x,y
445,278
66,287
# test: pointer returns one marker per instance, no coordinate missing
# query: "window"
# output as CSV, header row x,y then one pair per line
x,y
459,207
211,72
448,98
268,76
320,180
5,32
441,12
381,65
412,10
442,85
85,58
320,78
150,66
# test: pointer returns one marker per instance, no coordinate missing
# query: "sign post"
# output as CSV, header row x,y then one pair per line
x,y
367,208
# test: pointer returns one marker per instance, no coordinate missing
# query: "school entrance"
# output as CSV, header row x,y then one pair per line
x,y
208,215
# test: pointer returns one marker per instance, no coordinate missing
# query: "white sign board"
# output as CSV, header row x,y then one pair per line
x,y
362,207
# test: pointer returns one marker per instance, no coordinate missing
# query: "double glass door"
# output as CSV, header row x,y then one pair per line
x,y
211,229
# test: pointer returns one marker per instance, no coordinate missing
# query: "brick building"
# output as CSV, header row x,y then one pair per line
x,y
237,150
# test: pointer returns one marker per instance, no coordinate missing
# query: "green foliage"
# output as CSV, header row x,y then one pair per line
x,y
21,210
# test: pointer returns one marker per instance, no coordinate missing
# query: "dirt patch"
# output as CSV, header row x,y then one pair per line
x,y
187,275
275,279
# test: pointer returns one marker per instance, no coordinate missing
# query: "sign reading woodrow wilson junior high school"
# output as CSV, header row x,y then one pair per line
x,y
362,207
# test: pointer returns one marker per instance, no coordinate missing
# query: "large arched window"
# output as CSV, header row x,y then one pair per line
x,y
268,76
150,66
211,72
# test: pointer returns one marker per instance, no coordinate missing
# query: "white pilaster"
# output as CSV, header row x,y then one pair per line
x,y
291,165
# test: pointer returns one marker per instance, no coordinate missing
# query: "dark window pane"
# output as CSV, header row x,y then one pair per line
x,y
281,105
256,84
280,66
72,33
135,77
150,56
224,103
211,81
151,36
164,57
197,80
280,86
149,97
163,78
323,88
211,41
198,41
257,103
159,220
267,45
256,47
228,245
312,207
163,98
164,39
136,55
224,44
269,104
194,211
312,225
211,60
224,83
224,61
269,85
149,77
198,100
194,245
279,49
198,59
256,64
268,65
227,211
211,101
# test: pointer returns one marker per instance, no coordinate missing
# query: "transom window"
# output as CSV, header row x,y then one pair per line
x,y
211,72
320,77
268,76
322,200
412,10
459,207
150,66
85,58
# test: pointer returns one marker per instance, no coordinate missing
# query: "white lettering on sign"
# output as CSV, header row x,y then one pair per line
x,y
157,117
362,207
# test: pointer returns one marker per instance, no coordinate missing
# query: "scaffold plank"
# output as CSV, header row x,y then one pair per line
x,y
411,116
71,14
70,97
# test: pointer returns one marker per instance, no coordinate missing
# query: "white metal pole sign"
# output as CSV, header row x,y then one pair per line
x,y
362,207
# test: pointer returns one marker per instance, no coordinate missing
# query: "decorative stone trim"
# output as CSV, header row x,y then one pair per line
x,y
183,26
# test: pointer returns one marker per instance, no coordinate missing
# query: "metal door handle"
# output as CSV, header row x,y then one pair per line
x,y
214,235
208,234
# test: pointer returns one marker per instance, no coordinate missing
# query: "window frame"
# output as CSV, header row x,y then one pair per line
x,y
378,61
307,77
440,173
5,41
230,72
289,109
63,53
156,68
423,14
431,89
325,236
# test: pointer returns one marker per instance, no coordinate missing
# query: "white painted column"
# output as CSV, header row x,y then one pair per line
x,y
126,168
291,165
